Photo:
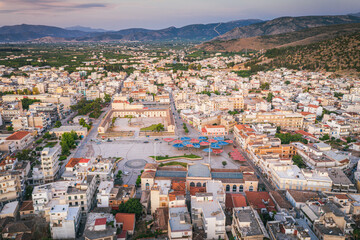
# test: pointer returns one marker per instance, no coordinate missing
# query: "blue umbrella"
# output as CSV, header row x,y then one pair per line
x,y
219,138
178,145
202,138
185,139
186,143
207,150
222,143
215,146
196,145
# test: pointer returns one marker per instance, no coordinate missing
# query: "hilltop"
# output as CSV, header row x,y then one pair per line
x,y
303,37
339,54
285,25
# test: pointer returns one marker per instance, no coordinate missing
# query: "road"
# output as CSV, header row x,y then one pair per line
x,y
179,122
79,152
268,185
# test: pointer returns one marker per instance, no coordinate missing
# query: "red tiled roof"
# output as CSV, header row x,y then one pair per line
x,y
100,221
18,135
256,199
73,162
127,219
84,160
234,200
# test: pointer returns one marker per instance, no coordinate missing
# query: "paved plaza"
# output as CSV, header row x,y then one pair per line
x,y
135,154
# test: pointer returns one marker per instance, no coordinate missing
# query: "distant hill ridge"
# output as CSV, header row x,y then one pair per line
x,y
200,32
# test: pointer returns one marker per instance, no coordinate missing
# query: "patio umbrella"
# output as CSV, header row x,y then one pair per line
x,y
194,140
168,139
219,138
202,138
189,145
178,145
215,146
177,141
186,142
207,150
204,143
222,143
185,139
196,145
229,141
212,141
217,151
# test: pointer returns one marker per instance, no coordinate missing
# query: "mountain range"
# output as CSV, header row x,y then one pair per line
x,y
216,33
199,32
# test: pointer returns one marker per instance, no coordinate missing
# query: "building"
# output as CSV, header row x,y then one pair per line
x,y
247,224
207,214
98,227
10,187
79,130
21,139
104,192
213,131
50,163
126,222
64,221
179,226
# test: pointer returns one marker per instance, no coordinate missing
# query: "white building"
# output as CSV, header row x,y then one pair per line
x,y
104,192
64,221
206,213
179,226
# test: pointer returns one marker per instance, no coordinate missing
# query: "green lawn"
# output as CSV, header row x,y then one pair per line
x,y
150,128
174,157
173,163
50,144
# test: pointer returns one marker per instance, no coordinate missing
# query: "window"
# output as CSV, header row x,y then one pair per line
x,y
81,196
75,197
251,188
204,184
69,197
147,186
192,184
241,188
198,184
234,188
82,202
228,188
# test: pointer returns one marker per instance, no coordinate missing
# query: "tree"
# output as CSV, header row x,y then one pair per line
x,y
265,86
287,82
68,142
47,135
36,91
57,124
325,137
224,163
10,128
298,161
119,174
26,102
133,205
269,97
159,127
131,100
107,98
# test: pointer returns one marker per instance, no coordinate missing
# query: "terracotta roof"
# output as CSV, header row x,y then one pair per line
x,y
194,190
127,219
84,160
258,199
148,175
303,196
27,206
234,200
100,221
73,162
151,166
280,200
18,135
341,196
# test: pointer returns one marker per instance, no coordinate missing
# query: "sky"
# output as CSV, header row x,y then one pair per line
x,y
157,14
